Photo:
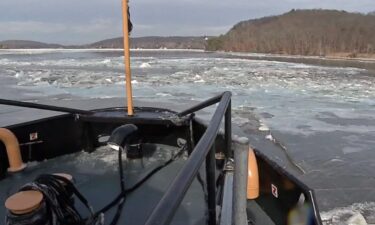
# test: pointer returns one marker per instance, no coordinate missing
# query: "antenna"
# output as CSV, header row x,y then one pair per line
x,y
126,24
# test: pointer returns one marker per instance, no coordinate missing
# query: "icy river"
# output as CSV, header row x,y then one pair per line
x,y
324,116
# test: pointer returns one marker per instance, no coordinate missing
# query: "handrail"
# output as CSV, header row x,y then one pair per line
x,y
201,105
228,118
167,206
44,107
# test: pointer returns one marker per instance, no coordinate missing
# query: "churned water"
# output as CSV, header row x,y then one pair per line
x,y
325,116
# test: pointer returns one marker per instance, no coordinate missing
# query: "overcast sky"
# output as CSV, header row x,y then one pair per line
x,y
85,21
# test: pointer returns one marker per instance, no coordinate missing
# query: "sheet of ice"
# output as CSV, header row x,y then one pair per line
x,y
279,88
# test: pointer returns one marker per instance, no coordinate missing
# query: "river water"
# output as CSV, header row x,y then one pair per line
x,y
325,116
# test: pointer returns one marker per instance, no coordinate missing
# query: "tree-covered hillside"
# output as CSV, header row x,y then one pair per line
x,y
302,32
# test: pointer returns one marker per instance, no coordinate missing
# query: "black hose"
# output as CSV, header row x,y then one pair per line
x,y
122,186
139,183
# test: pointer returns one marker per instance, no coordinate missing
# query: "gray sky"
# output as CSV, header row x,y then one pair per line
x,y
85,21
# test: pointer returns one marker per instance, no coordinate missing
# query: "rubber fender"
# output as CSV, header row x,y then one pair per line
x,y
252,176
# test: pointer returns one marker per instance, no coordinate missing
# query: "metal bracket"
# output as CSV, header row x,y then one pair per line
x,y
229,165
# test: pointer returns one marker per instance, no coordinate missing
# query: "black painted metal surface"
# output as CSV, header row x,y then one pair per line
x,y
281,193
64,134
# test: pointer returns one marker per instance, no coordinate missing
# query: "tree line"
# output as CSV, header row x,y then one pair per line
x,y
302,32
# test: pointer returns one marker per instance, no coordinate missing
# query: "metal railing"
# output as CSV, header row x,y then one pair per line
x,y
205,149
42,106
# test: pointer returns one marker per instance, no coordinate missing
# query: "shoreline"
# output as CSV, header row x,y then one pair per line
x,y
367,63
97,49
328,61
334,56
331,56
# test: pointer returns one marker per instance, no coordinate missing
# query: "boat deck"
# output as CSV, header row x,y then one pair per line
x,y
96,177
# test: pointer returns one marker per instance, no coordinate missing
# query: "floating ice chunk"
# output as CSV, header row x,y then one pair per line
x,y
263,127
121,82
106,61
4,61
356,214
337,160
134,82
37,79
270,137
145,65
19,74
240,120
357,219
243,140
163,94
348,150
198,79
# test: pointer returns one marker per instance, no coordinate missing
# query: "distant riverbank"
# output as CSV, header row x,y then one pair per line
x,y
367,63
151,42
331,61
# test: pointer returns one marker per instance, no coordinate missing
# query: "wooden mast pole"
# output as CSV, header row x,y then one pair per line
x,y
129,94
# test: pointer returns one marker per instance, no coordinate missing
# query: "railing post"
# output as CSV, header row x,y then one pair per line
x,y
211,185
228,130
240,180
227,206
